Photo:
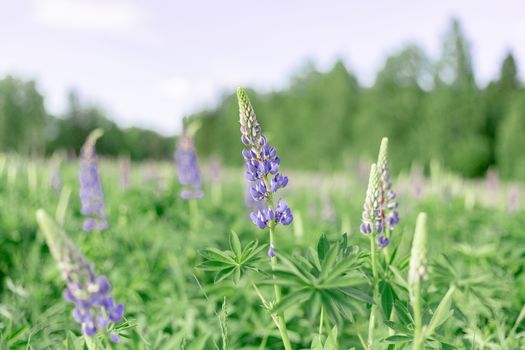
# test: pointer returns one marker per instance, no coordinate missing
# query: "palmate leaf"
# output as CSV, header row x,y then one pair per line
x,y
329,278
231,263
295,298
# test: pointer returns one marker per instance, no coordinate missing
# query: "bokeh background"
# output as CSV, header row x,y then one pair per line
x,y
441,80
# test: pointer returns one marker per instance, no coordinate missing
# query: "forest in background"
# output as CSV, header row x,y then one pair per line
x,y
432,109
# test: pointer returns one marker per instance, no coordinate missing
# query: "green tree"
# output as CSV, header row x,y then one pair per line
x,y
511,143
22,117
498,98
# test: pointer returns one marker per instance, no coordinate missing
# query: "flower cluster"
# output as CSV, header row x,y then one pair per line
x,y
262,169
388,203
94,308
188,168
372,221
91,195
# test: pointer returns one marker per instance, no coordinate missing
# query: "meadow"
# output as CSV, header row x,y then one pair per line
x,y
155,242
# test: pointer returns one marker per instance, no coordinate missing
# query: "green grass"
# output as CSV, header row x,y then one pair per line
x,y
151,251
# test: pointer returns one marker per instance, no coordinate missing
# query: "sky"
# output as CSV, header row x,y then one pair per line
x,y
150,63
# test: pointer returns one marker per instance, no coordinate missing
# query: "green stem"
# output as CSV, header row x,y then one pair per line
x,y
194,214
277,289
373,310
418,336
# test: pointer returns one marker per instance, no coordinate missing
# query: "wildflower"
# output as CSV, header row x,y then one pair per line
x,y
418,269
271,251
262,168
188,168
371,217
91,195
388,203
95,309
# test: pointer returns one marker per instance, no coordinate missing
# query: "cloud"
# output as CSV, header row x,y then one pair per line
x,y
189,94
104,15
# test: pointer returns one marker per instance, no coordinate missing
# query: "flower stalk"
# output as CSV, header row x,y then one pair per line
x,y
418,272
262,170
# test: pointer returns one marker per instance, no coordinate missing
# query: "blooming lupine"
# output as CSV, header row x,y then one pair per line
x,y
372,218
188,168
388,202
91,195
262,170
95,309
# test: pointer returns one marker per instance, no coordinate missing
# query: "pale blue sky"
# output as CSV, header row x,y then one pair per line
x,y
149,63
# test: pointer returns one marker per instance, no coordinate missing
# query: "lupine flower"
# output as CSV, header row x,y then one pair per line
x,y
418,269
188,168
95,309
251,203
271,251
388,203
91,195
372,221
262,169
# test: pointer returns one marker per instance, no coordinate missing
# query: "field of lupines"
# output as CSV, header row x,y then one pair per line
x,y
102,254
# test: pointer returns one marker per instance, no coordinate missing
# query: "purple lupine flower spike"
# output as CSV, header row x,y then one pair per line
x,y
387,196
95,309
188,168
91,195
371,218
262,169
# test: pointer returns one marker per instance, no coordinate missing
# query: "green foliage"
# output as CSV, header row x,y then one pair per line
x,y
511,142
149,256
327,277
233,262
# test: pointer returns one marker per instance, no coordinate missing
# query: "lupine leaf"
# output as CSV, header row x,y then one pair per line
x,y
235,244
293,299
323,245
442,312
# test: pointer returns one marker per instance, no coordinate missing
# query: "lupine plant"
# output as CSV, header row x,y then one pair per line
x,y
95,309
447,280
188,168
91,195
262,169
379,218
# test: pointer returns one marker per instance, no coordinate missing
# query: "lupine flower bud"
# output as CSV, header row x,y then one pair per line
x,y
371,218
188,168
418,269
262,168
271,251
388,203
94,308
91,195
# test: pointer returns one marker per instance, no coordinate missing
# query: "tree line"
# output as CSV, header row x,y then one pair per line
x,y
431,109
